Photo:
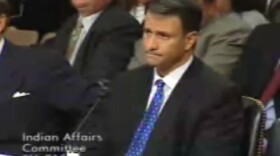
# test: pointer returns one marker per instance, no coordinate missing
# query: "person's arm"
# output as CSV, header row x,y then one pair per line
x,y
221,129
67,90
223,53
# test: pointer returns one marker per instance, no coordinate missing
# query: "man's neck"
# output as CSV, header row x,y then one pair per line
x,y
86,14
89,12
163,71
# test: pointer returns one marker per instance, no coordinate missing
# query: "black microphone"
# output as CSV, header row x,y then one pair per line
x,y
103,86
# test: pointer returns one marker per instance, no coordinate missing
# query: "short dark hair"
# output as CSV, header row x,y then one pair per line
x,y
188,12
5,8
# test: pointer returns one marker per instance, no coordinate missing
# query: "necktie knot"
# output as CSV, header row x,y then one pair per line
x,y
79,25
160,84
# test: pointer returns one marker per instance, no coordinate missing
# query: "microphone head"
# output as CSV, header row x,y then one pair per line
x,y
103,84
277,66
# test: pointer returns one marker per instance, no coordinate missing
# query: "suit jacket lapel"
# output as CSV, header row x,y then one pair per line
x,y
180,97
82,52
135,104
10,79
140,97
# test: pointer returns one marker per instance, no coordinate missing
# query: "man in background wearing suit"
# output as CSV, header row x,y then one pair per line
x,y
176,106
99,40
260,62
222,37
259,76
39,93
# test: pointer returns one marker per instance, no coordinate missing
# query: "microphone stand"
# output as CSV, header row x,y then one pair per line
x,y
103,84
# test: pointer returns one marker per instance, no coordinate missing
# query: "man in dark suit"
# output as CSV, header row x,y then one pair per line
x,y
177,106
39,93
99,41
258,65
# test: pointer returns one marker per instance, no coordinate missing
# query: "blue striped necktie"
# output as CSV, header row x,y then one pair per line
x,y
145,128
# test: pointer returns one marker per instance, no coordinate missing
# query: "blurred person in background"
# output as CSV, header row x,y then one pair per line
x,y
259,75
39,93
222,36
259,65
99,40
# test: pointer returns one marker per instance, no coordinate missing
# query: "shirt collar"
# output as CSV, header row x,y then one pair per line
x,y
268,2
173,77
2,42
89,20
139,13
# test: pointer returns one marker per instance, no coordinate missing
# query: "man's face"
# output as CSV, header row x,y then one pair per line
x,y
89,6
165,42
3,23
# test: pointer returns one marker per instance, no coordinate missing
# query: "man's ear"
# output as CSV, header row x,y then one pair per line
x,y
4,22
191,40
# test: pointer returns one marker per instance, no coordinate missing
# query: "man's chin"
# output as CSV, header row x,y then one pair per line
x,y
80,5
152,64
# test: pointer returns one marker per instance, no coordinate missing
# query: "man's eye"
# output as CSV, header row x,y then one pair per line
x,y
147,33
164,36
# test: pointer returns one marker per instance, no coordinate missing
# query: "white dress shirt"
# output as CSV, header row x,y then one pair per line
x,y
139,13
87,22
270,114
268,2
171,80
2,42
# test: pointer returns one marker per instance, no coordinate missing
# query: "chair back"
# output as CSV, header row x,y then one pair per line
x,y
274,140
21,37
254,127
47,37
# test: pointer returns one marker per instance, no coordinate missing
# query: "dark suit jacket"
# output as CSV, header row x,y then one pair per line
x,y
203,116
56,96
260,58
108,46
